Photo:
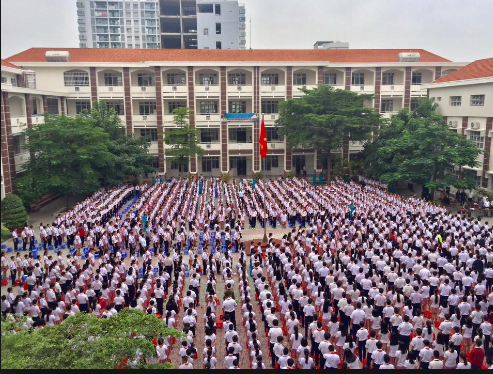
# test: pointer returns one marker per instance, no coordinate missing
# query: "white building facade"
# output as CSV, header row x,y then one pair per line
x,y
23,106
118,24
465,99
221,25
145,88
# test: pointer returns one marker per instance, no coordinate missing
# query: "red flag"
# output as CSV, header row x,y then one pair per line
x,y
263,140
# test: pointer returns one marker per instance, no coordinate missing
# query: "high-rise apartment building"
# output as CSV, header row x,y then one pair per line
x,y
202,24
221,24
170,24
178,22
118,24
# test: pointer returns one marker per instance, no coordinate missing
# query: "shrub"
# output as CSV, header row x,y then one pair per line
x,y
225,177
14,214
258,175
5,234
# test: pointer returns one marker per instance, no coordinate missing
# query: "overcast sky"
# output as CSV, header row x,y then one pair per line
x,y
455,29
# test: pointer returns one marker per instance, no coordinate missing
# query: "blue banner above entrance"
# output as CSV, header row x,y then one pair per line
x,y
238,117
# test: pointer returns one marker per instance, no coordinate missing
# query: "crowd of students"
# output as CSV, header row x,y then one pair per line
x,y
364,279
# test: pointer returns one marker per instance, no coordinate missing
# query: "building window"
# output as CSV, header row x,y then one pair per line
x,y
82,105
476,137
76,78
209,135
271,162
117,106
273,134
358,79
416,78
182,168
113,79
387,105
237,107
219,45
218,9
237,79
455,100
218,28
477,100
299,79
270,79
149,134
270,107
17,144
240,135
4,80
175,105
52,105
147,108
176,79
387,79
208,107
414,103
206,31
145,79
330,78
209,163
207,79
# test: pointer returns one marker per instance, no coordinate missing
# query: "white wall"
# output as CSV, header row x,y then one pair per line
x,y
229,20
465,110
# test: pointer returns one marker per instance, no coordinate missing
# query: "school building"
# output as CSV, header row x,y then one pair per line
x,y
219,87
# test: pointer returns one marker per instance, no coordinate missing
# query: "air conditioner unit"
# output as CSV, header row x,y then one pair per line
x,y
273,116
175,88
207,118
239,88
475,125
144,118
143,88
208,146
273,88
391,87
452,123
77,89
110,89
362,88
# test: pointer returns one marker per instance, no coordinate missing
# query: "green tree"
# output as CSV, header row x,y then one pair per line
x,y
132,156
86,342
68,154
419,146
326,118
183,139
14,214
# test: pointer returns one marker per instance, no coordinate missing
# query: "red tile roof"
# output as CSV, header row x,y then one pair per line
x,y
476,69
261,55
9,65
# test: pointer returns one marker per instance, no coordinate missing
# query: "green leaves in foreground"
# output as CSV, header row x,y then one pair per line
x,y
86,342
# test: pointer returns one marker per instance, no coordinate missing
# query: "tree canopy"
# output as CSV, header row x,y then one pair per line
x,y
86,342
132,156
419,146
325,118
78,155
183,139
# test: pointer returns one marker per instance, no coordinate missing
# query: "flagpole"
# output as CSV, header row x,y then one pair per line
x,y
264,240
